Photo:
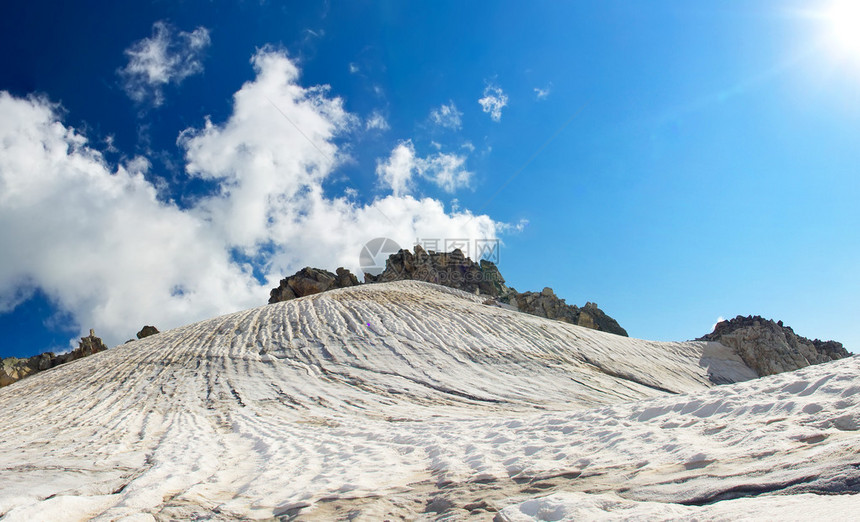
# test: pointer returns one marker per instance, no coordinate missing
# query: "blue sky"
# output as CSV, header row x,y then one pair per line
x,y
673,161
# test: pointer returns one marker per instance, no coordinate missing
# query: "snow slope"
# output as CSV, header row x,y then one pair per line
x,y
410,400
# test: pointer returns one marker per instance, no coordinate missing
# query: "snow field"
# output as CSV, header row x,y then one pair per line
x,y
412,400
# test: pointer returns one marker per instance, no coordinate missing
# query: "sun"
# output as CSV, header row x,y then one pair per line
x,y
843,17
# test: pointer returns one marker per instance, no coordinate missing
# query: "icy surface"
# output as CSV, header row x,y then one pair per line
x,y
409,400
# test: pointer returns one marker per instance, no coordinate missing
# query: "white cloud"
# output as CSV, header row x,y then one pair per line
x,y
511,228
274,147
353,68
447,116
398,172
493,102
166,57
376,121
446,171
541,94
98,241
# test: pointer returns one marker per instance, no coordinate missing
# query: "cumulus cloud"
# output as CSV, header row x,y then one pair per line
x,y
402,167
165,57
447,116
493,102
396,172
446,171
97,239
376,121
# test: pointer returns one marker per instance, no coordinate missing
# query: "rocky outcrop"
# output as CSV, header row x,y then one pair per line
x,y
146,331
88,346
770,347
452,269
458,271
546,304
309,281
14,369
455,270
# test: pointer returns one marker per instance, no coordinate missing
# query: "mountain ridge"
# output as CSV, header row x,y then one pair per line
x,y
452,269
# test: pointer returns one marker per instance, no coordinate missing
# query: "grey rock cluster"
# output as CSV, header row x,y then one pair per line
x,y
309,281
14,369
455,270
770,347
547,304
451,269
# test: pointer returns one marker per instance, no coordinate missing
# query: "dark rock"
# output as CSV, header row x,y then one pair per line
x,y
770,347
455,270
88,346
146,331
452,269
13,369
309,281
282,293
345,278
547,304
438,505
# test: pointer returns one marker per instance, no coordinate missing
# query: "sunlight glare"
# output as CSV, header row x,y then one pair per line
x,y
844,19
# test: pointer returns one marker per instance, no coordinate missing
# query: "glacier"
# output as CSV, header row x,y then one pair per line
x,y
408,400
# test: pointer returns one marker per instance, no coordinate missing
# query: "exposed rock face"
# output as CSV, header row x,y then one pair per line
x,y
448,269
88,346
146,331
309,281
546,304
769,347
14,369
455,270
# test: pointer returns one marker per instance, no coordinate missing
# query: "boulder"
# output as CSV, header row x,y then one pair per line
x,y
308,281
146,331
344,278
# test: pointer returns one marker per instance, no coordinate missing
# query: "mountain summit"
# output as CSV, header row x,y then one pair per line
x,y
454,270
